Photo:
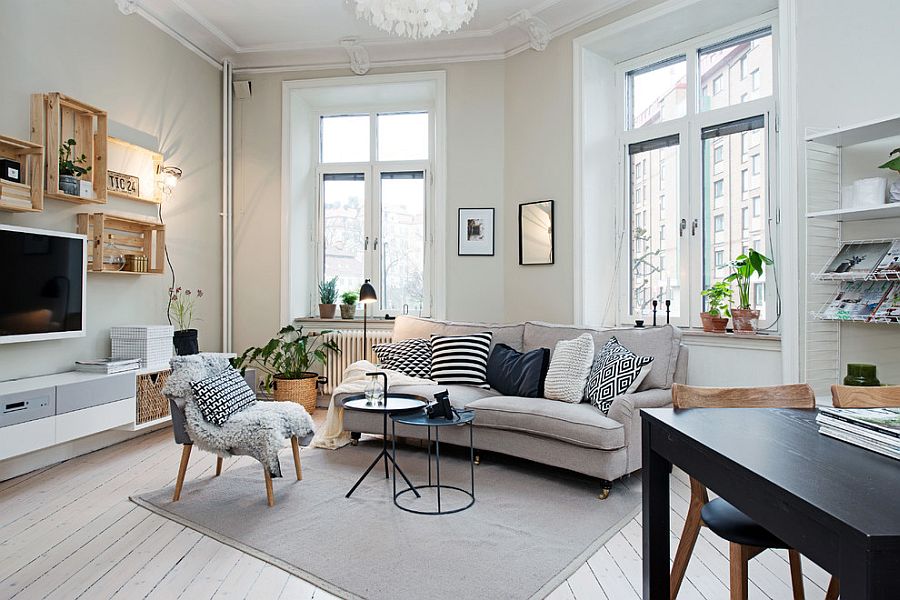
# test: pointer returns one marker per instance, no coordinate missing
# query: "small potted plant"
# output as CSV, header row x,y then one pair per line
x,y
181,310
348,305
743,268
327,298
287,361
71,168
718,296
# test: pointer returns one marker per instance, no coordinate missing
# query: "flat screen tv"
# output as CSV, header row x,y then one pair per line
x,y
42,284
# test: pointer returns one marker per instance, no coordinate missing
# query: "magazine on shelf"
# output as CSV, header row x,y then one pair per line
x,y
857,300
890,264
889,309
858,258
108,365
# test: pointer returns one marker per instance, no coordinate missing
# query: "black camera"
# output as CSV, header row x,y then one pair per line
x,y
441,407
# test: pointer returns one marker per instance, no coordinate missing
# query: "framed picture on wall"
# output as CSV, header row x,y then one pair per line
x,y
476,232
536,233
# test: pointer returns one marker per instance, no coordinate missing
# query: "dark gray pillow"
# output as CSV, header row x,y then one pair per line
x,y
513,373
222,395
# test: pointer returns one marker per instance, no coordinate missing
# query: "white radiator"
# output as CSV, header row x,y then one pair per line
x,y
351,344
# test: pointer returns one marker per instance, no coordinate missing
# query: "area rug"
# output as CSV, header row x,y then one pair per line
x,y
529,529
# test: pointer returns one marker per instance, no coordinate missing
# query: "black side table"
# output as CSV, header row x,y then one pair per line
x,y
465,417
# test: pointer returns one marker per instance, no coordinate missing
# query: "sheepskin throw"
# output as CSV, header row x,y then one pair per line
x,y
259,431
570,366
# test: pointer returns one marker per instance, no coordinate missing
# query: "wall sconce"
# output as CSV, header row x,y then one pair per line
x,y
168,178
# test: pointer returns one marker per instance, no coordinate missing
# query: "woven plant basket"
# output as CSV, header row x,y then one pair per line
x,y
302,391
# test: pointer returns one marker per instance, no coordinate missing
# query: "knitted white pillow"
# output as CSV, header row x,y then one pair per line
x,y
570,366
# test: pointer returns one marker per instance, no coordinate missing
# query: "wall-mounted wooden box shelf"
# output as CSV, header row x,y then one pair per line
x,y
56,118
112,237
28,195
132,164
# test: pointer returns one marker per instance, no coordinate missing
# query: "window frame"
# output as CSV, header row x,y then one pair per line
x,y
690,167
372,171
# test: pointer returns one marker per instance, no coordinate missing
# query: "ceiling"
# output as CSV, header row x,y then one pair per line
x,y
306,34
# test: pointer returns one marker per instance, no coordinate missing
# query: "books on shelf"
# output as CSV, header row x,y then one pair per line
x,y
857,300
108,366
875,429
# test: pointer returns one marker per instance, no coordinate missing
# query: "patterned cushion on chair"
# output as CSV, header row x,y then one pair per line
x,y
222,395
616,371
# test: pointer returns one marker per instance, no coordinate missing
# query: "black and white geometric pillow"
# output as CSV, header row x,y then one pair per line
x,y
460,359
222,395
616,371
411,357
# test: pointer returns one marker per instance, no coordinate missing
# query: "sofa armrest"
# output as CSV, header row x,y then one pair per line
x,y
626,409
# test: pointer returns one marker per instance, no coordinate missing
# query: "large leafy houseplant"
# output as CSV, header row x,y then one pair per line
x,y
290,355
743,269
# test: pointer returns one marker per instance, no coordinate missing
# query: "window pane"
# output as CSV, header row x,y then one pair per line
x,y
403,241
657,93
343,212
403,136
654,226
345,138
734,200
736,71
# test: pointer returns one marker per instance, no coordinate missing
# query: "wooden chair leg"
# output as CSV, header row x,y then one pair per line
x,y
270,494
739,555
834,589
796,574
295,446
218,466
182,469
689,534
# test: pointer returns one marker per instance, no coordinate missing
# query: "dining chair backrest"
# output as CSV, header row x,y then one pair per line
x,y
774,396
852,396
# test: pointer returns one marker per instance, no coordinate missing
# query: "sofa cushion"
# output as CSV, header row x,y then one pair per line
x,y
662,343
460,395
570,365
460,359
580,424
411,357
513,373
406,327
616,371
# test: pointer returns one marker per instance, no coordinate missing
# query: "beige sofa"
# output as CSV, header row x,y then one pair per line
x,y
577,437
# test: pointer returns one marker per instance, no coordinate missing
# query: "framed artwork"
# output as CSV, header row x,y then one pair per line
x,y
536,233
476,232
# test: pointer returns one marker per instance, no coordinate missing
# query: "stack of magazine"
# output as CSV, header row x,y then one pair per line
x,y
875,429
108,366
873,294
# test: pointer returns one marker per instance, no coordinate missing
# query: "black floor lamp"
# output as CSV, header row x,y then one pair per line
x,y
367,296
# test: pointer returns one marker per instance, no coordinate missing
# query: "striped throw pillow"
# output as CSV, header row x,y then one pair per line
x,y
460,359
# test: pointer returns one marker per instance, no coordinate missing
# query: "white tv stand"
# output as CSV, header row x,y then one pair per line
x,y
41,412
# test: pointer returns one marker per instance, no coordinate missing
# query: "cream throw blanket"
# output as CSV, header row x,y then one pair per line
x,y
331,435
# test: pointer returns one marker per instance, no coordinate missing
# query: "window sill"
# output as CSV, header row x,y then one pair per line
x,y
762,341
338,323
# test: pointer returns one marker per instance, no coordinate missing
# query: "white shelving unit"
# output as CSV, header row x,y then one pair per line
x,y
833,158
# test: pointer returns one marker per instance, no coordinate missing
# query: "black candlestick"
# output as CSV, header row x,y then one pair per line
x,y
668,307
655,304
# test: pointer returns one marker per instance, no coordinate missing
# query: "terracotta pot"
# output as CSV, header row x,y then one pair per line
x,y
713,324
326,311
348,311
303,391
746,321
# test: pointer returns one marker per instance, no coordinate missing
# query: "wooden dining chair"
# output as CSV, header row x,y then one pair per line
x,y
746,538
852,396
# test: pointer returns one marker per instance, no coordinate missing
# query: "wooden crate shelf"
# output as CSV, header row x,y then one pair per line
x,y
56,118
112,236
27,196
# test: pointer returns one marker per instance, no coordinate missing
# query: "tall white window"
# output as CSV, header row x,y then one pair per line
x,y
374,193
718,164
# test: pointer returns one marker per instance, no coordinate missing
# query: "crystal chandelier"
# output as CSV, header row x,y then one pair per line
x,y
416,18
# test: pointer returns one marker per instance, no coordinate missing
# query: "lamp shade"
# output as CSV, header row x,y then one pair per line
x,y
367,293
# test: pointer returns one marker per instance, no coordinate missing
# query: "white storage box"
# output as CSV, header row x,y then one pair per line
x,y
150,343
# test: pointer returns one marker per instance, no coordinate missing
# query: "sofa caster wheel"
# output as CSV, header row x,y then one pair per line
x,y
477,459
604,492
354,442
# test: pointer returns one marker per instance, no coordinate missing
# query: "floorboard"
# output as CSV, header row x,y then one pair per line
x,y
69,531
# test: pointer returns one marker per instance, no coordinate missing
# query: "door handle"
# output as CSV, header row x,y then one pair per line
x,y
682,227
694,224
375,246
366,243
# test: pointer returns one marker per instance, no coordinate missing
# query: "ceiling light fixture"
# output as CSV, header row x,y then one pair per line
x,y
416,18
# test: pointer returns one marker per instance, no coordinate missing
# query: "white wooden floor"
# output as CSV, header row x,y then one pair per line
x,y
69,531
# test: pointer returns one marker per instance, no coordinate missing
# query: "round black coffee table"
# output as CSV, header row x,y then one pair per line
x,y
463,417
394,404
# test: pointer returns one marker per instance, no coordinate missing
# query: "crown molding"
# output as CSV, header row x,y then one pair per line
x,y
531,28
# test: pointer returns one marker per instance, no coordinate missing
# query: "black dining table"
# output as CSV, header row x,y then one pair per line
x,y
836,503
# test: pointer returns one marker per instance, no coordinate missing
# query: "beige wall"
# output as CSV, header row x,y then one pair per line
x,y
475,150
158,94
